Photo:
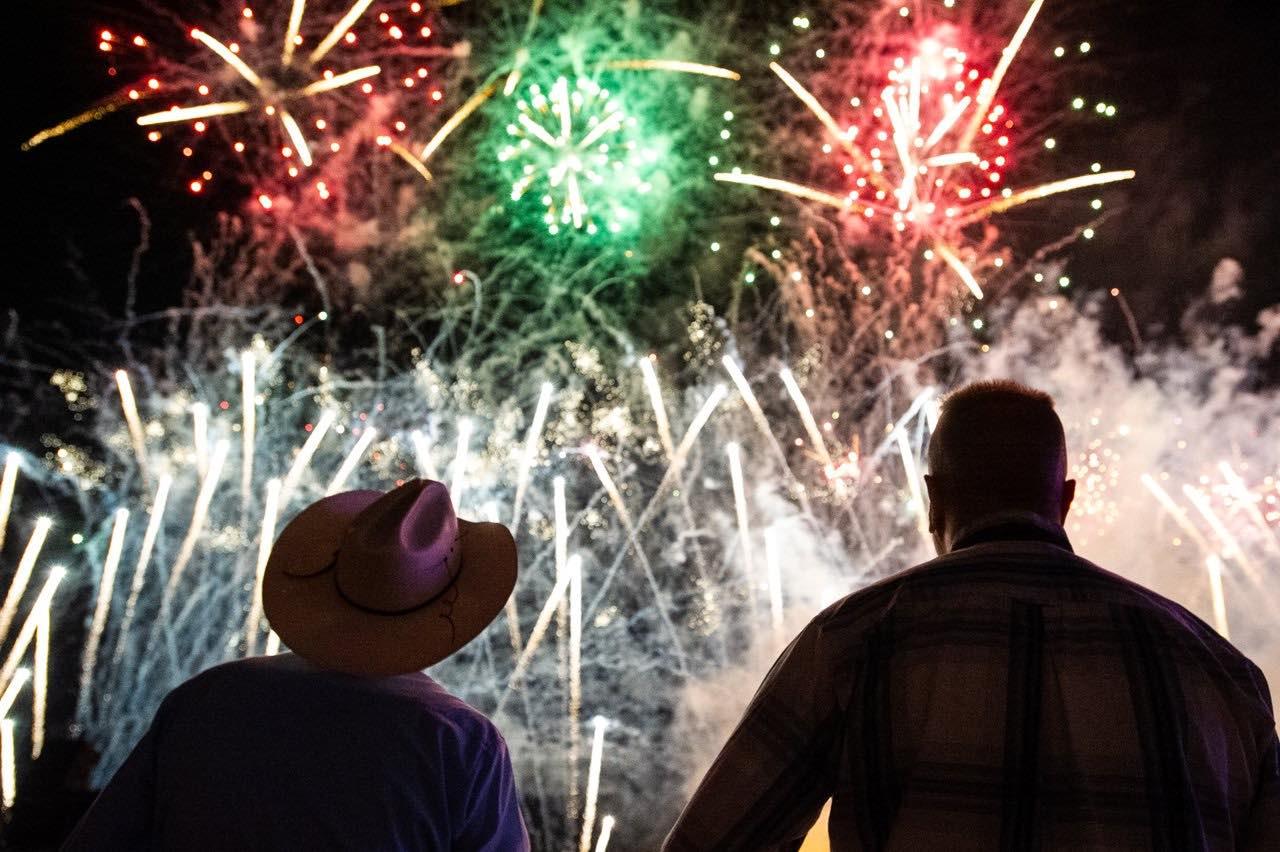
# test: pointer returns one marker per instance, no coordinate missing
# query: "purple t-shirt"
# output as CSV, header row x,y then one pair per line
x,y
274,753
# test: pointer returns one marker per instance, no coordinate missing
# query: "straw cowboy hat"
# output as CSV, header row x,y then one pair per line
x,y
378,583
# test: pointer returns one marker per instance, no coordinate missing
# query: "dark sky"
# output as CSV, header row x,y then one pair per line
x,y
1197,84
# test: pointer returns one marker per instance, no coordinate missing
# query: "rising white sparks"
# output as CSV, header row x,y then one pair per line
x,y
606,832
806,416
593,783
1246,499
204,497
106,590
531,443
460,459
140,568
129,405
40,608
718,393
8,770
349,463
1214,566
1231,545
200,436
773,570
734,452
575,672
535,636
22,576
10,696
266,537
304,456
248,421
654,390
1175,512
12,462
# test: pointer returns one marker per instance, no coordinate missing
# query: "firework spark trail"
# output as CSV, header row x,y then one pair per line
x,y
606,832
575,679
130,407
460,460
99,111
194,113
291,31
106,590
717,395
140,568
913,478
8,768
41,606
339,30
840,202
200,436
734,453
532,441
1231,545
1242,494
304,456
989,87
806,416
972,214
40,681
422,455
1215,566
762,425
593,783
337,81
349,463
842,138
19,680
535,638
773,570
654,390
270,510
22,576
522,52
958,266
677,65
208,485
249,422
1179,516
463,113
12,462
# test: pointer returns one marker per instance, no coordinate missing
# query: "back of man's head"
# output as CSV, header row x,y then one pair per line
x,y
998,447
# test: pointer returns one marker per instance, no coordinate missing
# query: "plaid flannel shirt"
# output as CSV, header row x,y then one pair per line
x,y
1008,695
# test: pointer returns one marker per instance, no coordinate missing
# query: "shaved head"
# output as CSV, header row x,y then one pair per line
x,y
998,447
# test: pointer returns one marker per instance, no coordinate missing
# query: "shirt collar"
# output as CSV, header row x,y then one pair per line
x,y
1011,526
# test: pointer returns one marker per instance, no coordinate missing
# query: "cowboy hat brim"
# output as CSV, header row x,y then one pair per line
x,y
308,612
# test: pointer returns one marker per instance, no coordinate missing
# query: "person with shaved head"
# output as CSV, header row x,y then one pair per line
x,y
1007,695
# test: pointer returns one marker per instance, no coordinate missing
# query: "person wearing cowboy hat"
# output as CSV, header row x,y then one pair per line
x,y
345,742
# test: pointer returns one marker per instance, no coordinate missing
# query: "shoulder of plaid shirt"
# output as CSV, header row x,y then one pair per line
x,y
1005,695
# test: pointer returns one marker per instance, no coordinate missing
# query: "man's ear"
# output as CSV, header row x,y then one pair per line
x,y
934,488
1068,494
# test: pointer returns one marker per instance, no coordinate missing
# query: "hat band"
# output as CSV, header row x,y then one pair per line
x,y
453,581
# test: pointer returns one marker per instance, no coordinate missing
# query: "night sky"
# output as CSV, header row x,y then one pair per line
x,y
1197,84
